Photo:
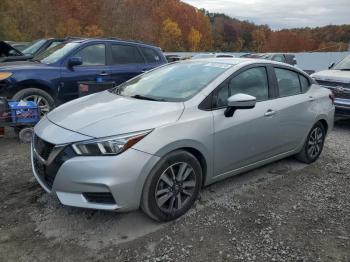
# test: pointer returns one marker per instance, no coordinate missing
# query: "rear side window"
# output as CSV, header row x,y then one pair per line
x,y
93,55
124,54
305,84
288,82
151,55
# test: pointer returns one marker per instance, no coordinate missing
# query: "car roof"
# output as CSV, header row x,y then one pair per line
x,y
84,40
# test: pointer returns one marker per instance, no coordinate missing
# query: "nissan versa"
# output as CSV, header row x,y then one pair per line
x,y
154,141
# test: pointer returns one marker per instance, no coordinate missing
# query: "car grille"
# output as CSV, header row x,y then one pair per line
x,y
46,167
340,90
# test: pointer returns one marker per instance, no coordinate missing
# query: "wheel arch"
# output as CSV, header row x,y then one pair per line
x,y
197,150
39,84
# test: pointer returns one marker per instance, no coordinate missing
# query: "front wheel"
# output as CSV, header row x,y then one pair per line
x,y
172,187
313,146
43,99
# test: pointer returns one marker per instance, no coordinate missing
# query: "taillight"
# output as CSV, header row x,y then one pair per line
x,y
332,97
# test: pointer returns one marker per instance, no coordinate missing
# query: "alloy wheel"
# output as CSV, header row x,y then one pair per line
x,y
42,103
175,187
315,142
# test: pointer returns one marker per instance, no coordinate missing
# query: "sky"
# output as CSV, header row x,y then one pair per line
x,y
280,14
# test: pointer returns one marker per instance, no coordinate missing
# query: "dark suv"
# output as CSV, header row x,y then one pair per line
x,y
51,78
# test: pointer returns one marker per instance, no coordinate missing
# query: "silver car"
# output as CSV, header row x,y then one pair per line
x,y
156,140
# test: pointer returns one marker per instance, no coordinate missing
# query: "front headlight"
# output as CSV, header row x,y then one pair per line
x,y
5,75
110,145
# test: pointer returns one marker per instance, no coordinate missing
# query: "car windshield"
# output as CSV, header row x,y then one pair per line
x,y
33,47
172,83
343,64
52,55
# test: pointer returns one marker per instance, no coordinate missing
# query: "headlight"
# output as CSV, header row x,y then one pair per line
x,y
5,75
110,145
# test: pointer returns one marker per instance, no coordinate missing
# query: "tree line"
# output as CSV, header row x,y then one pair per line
x,y
170,24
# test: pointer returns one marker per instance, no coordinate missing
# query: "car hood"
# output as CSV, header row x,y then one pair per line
x,y
11,66
5,48
106,114
333,75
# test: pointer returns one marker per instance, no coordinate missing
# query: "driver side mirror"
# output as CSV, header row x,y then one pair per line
x,y
74,61
239,101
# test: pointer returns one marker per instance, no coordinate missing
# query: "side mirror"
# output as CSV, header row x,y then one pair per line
x,y
74,61
331,66
239,101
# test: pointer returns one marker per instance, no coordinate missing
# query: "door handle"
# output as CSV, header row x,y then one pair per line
x,y
104,74
311,98
270,112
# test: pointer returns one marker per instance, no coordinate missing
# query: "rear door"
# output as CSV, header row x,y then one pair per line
x,y
125,62
294,107
93,67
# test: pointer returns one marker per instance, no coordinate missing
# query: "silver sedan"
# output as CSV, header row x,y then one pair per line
x,y
156,140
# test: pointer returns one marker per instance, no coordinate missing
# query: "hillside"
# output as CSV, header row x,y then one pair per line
x,y
172,25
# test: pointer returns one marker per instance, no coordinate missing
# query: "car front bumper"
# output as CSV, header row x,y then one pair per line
x,y
87,181
342,107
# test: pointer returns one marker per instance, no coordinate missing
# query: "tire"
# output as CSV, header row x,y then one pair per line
x,y
41,97
313,146
25,135
165,196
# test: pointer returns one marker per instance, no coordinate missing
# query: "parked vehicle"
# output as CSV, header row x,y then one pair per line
x,y
34,49
19,45
279,57
51,78
212,55
7,51
337,79
154,141
173,58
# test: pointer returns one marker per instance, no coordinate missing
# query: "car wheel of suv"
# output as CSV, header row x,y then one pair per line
x,y
40,97
314,144
172,187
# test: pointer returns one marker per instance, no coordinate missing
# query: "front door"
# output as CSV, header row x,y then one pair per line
x,y
248,136
93,68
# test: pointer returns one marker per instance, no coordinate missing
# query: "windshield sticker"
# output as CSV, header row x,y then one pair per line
x,y
219,65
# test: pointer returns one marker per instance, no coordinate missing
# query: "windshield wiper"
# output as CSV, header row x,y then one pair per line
x,y
345,69
147,98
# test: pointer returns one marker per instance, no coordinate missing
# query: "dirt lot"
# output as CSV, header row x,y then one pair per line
x,y
285,211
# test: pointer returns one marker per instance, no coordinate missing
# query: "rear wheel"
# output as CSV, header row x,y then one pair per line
x,y
313,146
43,99
172,187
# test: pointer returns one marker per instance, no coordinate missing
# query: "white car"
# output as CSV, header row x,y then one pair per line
x,y
337,79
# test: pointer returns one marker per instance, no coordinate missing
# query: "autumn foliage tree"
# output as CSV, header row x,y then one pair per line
x,y
172,24
170,37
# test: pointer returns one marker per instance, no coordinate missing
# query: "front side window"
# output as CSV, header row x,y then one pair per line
x,y
150,55
173,82
93,55
124,54
288,82
252,82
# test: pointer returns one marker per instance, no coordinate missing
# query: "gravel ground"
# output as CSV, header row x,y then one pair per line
x,y
285,211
